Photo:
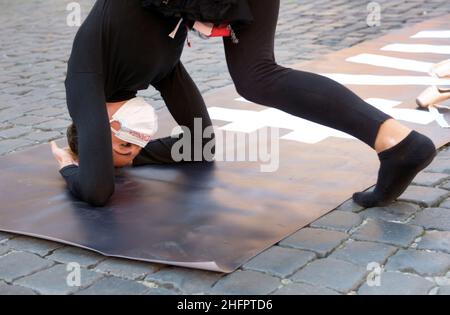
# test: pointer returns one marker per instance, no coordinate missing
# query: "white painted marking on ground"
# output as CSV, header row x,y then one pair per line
x,y
382,103
305,131
432,34
246,122
440,119
418,48
241,99
405,114
242,120
391,62
367,79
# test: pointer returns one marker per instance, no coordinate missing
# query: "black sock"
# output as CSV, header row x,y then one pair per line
x,y
399,165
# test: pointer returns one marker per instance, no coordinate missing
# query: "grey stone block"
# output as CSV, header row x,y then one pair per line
x,y
433,219
4,248
8,115
127,269
397,234
185,280
445,204
435,240
18,90
53,281
48,112
444,153
444,290
246,283
5,236
53,124
14,132
280,262
420,262
339,221
446,185
43,136
331,273
397,211
429,179
215,84
439,165
394,283
17,264
65,116
13,144
33,245
159,291
73,254
304,289
9,289
320,241
350,206
424,196
29,120
363,253
114,286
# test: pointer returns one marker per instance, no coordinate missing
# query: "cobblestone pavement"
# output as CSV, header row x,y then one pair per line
x,y
410,238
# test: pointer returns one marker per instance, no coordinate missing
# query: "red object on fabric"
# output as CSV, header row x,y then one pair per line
x,y
221,31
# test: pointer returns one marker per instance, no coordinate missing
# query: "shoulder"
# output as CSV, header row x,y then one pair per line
x,y
87,48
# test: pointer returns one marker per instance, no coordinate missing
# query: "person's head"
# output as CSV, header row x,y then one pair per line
x,y
133,123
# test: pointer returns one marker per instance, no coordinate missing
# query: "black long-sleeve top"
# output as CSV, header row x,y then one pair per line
x,y
119,49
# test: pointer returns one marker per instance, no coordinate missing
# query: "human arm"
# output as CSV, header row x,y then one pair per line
x,y
93,179
185,103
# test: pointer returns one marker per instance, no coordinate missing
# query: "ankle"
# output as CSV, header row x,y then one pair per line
x,y
386,144
391,133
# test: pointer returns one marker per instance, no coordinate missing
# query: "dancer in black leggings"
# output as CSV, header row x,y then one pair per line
x,y
403,152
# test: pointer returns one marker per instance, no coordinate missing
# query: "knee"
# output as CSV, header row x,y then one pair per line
x,y
246,83
253,82
245,90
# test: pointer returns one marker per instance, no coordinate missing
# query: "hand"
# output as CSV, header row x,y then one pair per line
x,y
62,155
